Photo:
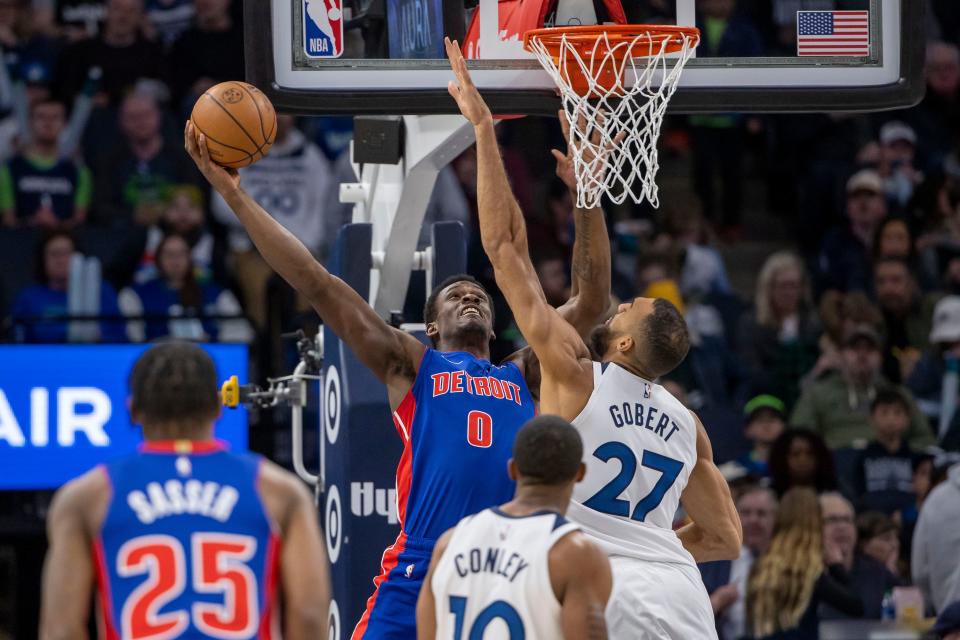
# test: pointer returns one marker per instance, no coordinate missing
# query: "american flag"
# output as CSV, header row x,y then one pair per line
x,y
833,33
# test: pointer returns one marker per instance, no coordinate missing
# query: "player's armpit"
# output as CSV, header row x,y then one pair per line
x,y
304,570
426,603
715,533
68,573
582,581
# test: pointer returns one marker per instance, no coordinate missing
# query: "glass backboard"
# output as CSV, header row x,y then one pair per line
x,y
386,56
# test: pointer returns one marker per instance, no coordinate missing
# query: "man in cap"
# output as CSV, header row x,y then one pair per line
x,y
844,258
931,379
765,421
837,406
898,145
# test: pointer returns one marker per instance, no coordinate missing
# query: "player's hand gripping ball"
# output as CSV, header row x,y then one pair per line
x,y
238,122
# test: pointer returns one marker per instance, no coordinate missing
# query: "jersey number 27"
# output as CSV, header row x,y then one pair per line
x,y
219,566
608,499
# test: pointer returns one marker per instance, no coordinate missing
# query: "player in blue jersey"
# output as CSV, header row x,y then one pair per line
x,y
455,411
184,539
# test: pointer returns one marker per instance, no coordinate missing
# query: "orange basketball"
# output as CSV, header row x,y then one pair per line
x,y
238,121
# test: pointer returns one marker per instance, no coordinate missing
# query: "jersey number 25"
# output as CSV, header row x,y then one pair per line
x,y
218,567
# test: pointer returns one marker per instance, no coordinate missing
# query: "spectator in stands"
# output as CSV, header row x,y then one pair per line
x,y
879,539
937,118
799,458
906,315
839,313
844,258
883,473
37,308
131,180
893,240
209,52
934,561
119,50
869,578
947,626
897,154
801,571
38,187
552,273
766,421
726,581
718,139
182,215
778,341
930,377
177,305
837,406
292,183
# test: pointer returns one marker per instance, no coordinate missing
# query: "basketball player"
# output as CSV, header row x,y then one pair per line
x,y
184,539
645,453
456,413
521,567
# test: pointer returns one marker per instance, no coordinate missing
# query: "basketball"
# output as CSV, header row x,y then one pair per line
x,y
238,121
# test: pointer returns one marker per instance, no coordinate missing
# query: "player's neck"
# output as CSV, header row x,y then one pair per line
x,y
474,348
533,498
177,431
618,358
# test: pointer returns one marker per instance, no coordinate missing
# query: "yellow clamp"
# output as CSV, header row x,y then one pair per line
x,y
230,393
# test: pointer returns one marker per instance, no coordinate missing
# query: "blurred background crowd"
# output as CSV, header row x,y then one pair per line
x,y
815,256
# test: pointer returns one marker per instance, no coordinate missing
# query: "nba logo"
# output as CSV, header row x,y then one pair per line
x,y
323,28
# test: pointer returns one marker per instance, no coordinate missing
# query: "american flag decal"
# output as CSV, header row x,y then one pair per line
x,y
833,33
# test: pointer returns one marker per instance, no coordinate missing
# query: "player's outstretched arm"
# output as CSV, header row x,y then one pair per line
x,y
504,236
304,569
581,579
391,354
426,603
590,267
68,568
715,532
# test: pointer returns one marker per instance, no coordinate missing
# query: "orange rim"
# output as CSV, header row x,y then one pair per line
x,y
650,37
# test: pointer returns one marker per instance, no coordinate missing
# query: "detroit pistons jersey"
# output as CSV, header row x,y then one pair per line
x,y
493,581
458,423
639,446
186,549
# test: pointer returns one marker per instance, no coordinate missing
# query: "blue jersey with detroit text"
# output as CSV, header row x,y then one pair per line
x,y
186,549
458,423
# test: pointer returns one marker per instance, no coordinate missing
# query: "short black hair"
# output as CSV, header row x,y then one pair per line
x,y
882,260
665,337
887,396
40,274
173,382
548,450
430,308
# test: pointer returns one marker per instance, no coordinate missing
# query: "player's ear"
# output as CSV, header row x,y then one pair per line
x,y
432,329
512,469
134,414
625,343
581,471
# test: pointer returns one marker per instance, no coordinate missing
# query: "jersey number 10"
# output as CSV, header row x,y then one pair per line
x,y
608,499
498,609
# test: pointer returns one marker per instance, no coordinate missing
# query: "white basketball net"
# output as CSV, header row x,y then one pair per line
x,y
632,108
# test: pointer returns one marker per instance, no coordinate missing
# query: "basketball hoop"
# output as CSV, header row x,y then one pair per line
x,y
615,82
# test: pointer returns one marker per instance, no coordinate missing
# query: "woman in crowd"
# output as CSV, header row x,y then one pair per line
x,y
39,309
879,538
800,458
176,304
778,341
796,575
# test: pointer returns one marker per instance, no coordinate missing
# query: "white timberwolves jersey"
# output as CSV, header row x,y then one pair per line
x,y
640,446
493,581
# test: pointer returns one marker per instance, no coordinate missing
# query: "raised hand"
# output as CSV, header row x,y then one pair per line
x,y
220,178
471,103
565,160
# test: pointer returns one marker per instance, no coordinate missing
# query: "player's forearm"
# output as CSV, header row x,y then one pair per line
x,y
281,249
590,269
720,542
501,221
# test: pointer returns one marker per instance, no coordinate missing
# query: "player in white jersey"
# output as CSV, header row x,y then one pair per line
x,y
521,570
645,453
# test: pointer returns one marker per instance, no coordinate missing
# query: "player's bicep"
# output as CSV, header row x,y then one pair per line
x,y
587,592
707,499
67,570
